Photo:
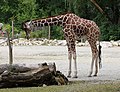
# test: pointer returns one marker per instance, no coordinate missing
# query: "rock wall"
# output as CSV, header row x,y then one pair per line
x,y
46,42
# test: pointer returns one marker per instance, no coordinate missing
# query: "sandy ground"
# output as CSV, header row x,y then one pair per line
x,y
58,54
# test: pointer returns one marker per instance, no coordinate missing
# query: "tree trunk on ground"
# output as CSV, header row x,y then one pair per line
x,y
22,76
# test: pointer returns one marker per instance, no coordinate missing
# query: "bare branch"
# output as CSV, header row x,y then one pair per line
x,y
101,10
97,6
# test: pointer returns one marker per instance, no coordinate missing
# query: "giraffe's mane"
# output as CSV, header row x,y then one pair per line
x,y
50,16
47,17
25,22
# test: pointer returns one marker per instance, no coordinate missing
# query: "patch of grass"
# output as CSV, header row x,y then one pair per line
x,y
79,86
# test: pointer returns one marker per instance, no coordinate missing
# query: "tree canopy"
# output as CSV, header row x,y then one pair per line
x,y
106,13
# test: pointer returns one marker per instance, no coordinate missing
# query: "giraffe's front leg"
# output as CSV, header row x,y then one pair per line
x,y
73,50
70,38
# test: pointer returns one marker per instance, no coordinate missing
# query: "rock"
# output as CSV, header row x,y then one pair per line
x,y
118,42
53,42
114,43
62,43
41,41
106,44
80,44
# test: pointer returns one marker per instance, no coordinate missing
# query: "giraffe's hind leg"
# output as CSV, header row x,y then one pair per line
x,y
70,60
96,63
94,57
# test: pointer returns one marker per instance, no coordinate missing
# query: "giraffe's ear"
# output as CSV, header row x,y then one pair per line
x,y
29,22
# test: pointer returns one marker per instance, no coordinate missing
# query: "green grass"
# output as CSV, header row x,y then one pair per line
x,y
79,86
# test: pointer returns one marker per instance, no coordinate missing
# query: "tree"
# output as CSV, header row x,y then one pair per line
x,y
26,11
111,10
106,13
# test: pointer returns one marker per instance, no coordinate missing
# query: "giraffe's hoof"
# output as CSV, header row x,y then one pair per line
x,y
89,76
69,76
75,77
95,75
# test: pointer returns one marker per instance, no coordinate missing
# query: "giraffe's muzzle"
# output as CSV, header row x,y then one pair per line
x,y
27,34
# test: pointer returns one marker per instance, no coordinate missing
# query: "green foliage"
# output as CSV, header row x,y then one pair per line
x,y
22,10
22,34
36,34
8,28
56,33
110,32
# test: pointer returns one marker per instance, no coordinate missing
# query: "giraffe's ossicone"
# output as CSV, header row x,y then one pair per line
x,y
74,27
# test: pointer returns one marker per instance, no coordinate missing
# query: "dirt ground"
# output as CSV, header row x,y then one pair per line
x,y
58,54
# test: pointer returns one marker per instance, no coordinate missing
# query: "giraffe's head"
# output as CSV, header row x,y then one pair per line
x,y
27,27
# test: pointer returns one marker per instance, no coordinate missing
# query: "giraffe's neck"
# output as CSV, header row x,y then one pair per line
x,y
57,20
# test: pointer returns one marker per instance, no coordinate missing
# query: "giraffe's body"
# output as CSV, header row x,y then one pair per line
x,y
73,27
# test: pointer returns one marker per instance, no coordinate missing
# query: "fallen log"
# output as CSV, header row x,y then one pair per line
x,y
23,76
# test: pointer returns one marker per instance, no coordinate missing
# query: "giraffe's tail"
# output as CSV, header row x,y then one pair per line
x,y
99,56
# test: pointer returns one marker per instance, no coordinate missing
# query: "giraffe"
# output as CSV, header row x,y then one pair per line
x,y
74,27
